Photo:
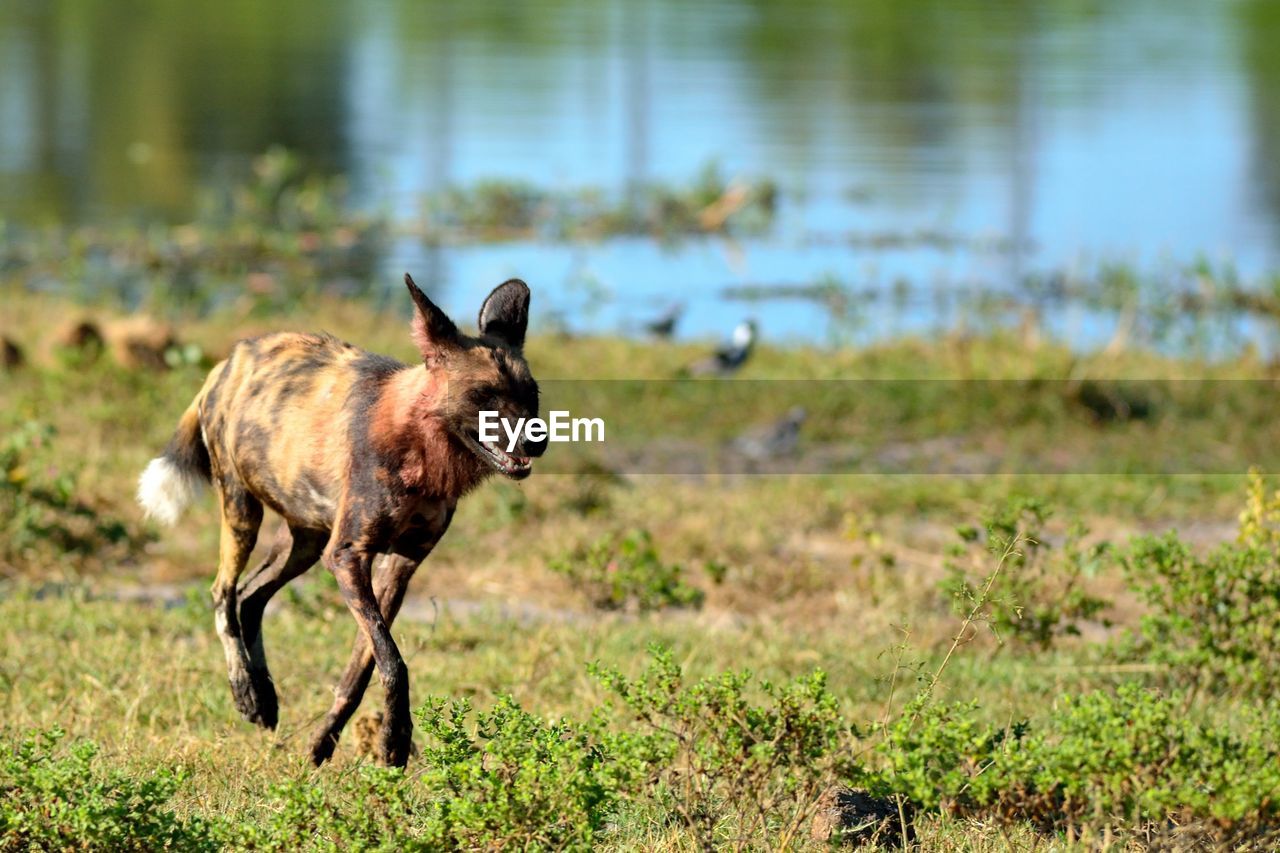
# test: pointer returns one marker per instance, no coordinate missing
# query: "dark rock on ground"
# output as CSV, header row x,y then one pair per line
x,y
855,818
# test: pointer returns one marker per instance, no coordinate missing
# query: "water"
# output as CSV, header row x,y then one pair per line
x,y
1146,132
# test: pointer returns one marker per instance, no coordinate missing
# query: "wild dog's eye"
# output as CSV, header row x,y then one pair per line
x,y
480,397
485,397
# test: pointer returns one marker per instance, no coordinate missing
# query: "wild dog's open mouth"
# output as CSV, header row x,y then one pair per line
x,y
508,464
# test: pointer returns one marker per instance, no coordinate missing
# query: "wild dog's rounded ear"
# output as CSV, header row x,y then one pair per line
x,y
505,314
433,331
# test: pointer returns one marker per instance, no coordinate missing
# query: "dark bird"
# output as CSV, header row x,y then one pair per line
x,y
729,357
664,325
773,440
1107,402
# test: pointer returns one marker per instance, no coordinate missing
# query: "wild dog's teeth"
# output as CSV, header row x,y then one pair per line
x,y
508,461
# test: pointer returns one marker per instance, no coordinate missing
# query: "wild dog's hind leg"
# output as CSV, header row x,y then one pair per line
x,y
294,552
391,579
276,554
241,518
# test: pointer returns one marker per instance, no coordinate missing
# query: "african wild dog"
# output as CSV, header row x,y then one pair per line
x,y
361,455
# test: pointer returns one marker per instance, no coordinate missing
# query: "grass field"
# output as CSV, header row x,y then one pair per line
x,y
944,609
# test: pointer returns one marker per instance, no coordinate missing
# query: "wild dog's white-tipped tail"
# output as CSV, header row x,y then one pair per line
x,y
165,490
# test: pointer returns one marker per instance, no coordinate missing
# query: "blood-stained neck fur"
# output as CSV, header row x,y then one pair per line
x,y
409,428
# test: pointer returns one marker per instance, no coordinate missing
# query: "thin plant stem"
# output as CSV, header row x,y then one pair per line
x,y
980,601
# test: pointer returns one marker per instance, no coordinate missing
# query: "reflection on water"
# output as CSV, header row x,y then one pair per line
x,y
1145,130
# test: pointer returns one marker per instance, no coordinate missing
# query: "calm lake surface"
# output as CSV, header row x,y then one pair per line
x,y
1143,132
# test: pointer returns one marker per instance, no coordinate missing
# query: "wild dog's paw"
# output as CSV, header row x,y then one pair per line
x,y
264,697
322,746
397,742
257,706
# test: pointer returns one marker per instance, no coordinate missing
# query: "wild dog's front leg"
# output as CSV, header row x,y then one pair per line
x,y
390,581
351,559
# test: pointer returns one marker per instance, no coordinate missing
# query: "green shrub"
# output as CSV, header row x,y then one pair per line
x,y
368,808
709,203
1214,619
492,207
626,573
513,779
931,753
496,778
1041,594
725,764
1130,760
283,195
1136,758
56,798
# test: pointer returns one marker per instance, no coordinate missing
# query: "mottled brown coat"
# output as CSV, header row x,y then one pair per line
x,y
361,456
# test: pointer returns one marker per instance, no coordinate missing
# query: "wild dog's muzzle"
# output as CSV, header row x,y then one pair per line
x,y
513,464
